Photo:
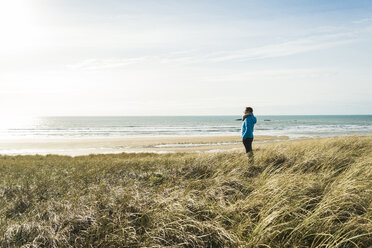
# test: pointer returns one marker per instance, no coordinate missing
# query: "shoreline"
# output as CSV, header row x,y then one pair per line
x,y
114,145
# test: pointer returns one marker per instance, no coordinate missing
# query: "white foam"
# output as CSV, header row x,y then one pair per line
x,y
195,144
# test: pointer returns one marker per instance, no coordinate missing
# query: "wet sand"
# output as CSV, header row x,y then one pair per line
x,y
86,146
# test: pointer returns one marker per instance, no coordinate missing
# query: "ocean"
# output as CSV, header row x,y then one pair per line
x,y
294,126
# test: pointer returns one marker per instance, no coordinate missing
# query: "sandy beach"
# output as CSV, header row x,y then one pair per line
x,y
86,146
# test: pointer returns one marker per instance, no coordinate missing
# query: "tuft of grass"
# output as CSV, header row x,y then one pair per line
x,y
314,193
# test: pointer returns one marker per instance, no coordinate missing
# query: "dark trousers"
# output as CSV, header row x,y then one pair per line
x,y
248,144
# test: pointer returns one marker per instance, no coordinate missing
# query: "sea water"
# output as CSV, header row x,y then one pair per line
x,y
294,126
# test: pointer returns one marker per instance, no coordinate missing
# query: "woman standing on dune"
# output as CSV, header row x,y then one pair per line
x,y
249,120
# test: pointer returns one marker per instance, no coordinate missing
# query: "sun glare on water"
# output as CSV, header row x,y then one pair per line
x,y
16,122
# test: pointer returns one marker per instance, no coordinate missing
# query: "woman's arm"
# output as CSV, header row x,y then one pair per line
x,y
244,128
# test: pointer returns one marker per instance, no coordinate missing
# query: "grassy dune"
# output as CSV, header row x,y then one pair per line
x,y
315,193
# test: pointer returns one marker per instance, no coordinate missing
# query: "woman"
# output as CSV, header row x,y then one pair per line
x,y
249,120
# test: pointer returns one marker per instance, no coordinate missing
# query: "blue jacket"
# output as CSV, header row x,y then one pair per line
x,y
247,127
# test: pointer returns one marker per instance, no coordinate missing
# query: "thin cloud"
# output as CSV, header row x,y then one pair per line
x,y
288,48
101,64
272,74
364,20
283,49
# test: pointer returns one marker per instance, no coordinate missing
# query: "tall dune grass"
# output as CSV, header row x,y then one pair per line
x,y
315,193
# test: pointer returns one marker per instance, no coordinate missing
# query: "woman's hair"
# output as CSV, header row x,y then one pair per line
x,y
249,109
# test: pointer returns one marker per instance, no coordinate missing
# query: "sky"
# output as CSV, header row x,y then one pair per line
x,y
166,57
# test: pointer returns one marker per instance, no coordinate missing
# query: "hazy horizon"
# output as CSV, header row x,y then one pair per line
x,y
40,116
185,58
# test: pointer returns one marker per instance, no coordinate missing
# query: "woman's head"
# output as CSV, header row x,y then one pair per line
x,y
248,110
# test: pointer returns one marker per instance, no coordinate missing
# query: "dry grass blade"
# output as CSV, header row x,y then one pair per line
x,y
314,193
